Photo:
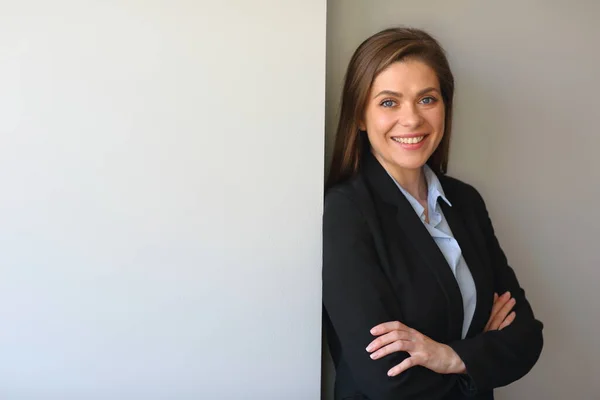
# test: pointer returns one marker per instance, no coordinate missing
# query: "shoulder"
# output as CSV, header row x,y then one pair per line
x,y
350,194
349,206
459,191
463,195
343,199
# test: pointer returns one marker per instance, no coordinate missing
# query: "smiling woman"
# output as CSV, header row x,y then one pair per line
x,y
412,269
404,120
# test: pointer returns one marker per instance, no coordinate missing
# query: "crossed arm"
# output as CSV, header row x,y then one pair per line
x,y
504,352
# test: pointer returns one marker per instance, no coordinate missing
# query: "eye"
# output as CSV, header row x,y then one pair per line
x,y
388,103
428,100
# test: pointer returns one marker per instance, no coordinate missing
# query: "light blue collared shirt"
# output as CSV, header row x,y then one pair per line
x,y
440,231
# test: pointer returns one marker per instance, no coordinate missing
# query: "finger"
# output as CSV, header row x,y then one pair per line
x,y
502,314
499,302
509,320
388,327
399,345
506,309
403,366
388,338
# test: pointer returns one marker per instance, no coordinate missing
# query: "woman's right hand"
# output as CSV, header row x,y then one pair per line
x,y
501,316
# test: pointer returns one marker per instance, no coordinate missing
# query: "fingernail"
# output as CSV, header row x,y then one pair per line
x,y
390,373
373,331
374,356
369,348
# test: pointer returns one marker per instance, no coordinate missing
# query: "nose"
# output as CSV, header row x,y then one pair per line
x,y
409,116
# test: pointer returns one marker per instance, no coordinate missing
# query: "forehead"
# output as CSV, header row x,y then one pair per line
x,y
406,77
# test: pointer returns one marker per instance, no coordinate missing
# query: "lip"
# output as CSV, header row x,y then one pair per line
x,y
412,135
411,146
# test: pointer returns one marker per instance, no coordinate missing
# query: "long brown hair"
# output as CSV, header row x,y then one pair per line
x,y
370,58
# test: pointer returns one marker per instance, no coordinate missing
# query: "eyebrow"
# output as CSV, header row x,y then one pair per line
x,y
397,94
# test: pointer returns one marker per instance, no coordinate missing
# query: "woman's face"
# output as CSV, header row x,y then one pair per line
x,y
404,117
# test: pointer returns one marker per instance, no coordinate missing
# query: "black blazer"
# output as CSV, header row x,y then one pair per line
x,y
381,264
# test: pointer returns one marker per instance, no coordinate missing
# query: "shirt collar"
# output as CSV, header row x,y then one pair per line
x,y
434,191
434,187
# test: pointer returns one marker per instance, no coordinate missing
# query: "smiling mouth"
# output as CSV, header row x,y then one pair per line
x,y
409,140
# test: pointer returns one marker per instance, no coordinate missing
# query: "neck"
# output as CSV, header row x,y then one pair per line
x,y
411,180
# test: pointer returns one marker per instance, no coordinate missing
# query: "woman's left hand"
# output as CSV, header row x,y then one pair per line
x,y
395,336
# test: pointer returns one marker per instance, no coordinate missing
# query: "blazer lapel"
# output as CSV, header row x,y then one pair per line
x,y
428,249
420,238
456,218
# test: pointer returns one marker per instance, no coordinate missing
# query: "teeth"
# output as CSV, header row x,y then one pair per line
x,y
412,140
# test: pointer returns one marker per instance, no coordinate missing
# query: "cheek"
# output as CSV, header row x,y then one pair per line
x,y
381,122
437,120
439,124
377,127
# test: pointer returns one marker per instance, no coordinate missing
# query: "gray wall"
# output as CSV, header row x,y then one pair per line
x,y
161,199
526,135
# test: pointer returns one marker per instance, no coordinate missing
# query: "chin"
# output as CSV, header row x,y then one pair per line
x,y
413,163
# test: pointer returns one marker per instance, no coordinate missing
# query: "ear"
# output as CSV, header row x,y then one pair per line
x,y
361,126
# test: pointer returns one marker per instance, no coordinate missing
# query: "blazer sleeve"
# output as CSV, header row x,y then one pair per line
x,y
498,358
357,296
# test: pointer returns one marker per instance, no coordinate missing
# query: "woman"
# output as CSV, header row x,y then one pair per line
x,y
411,265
